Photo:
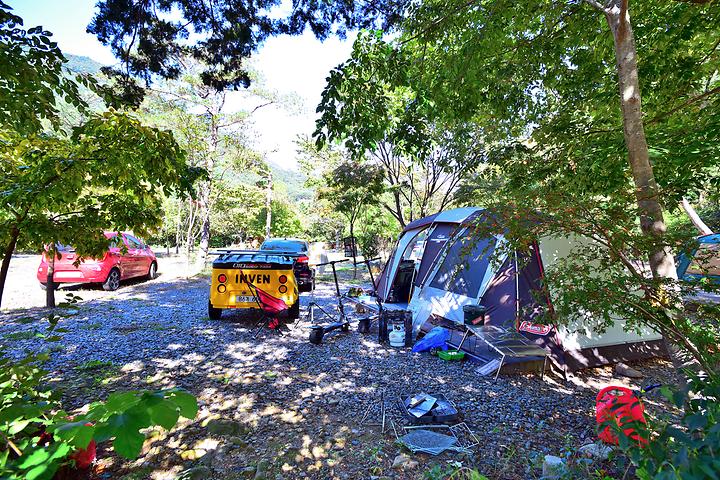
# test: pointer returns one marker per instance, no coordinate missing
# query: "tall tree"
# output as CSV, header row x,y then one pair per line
x,y
212,134
368,106
150,36
59,188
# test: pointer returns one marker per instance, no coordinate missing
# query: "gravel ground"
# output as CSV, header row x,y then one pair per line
x,y
279,407
22,289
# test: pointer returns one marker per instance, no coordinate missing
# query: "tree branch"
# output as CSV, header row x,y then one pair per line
x,y
687,102
596,5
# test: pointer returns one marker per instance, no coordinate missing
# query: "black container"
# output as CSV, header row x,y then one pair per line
x,y
471,313
383,327
407,320
443,412
364,325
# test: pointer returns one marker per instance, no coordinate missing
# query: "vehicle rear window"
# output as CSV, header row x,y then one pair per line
x,y
294,246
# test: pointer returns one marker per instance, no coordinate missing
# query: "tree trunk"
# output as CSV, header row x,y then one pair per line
x,y
178,224
352,246
50,287
205,191
268,205
7,256
189,239
652,223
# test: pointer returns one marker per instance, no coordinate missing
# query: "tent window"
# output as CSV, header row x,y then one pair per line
x,y
463,268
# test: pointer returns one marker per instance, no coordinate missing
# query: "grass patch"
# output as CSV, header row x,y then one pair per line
x,y
26,320
102,372
24,335
91,326
159,326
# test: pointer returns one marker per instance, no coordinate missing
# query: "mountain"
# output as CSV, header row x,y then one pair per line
x,y
82,64
295,183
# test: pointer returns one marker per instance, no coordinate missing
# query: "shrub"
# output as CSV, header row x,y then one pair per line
x,y
686,448
37,436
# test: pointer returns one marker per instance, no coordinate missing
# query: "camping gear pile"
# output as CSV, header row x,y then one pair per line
x,y
428,409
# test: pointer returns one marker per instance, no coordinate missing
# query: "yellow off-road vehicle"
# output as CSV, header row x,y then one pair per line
x,y
254,280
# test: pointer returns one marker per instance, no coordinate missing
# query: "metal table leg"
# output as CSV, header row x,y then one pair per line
x,y
502,361
467,332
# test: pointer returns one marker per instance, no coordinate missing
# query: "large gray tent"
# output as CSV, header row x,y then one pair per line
x,y
442,263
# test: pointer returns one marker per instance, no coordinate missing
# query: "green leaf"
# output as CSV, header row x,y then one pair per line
x,y
118,402
164,414
128,443
18,426
77,433
186,402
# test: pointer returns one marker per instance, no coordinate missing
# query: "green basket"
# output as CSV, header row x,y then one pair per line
x,y
451,355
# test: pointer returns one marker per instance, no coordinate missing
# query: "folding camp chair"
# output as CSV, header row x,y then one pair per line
x,y
270,307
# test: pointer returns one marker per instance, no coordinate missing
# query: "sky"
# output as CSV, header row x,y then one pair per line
x,y
289,65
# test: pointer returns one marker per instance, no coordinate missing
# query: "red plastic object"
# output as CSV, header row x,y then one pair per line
x,y
619,404
85,457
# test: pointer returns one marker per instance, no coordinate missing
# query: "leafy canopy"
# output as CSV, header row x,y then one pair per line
x,y
149,37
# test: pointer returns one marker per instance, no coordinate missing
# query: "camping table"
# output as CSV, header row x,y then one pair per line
x,y
507,343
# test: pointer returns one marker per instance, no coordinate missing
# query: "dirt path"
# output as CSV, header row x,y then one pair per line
x,y
287,408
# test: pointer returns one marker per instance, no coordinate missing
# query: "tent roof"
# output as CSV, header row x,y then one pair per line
x,y
420,222
456,215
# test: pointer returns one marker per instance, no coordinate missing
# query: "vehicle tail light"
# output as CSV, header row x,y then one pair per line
x,y
303,259
221,288
222,278
282,289
283,278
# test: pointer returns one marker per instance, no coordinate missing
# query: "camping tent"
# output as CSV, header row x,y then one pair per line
x,y
703,261
443,262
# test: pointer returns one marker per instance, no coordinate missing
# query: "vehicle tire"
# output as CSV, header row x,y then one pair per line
x,y
152,271
294,310
214,313
43,286
112,282
316,336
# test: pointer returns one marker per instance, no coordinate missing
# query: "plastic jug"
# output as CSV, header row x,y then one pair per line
x,y
621,405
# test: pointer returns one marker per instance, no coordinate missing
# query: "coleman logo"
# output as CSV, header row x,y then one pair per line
x,y
254,278
535,328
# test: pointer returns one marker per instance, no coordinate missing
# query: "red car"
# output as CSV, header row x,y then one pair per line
x,y
138,261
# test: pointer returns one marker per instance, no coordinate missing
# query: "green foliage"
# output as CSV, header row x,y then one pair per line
x,y
285,221
370,105
686,449
29,408
37,436
376,231
32,77
109,174
149,43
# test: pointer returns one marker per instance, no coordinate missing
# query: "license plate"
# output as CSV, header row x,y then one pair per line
x,y
244,299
